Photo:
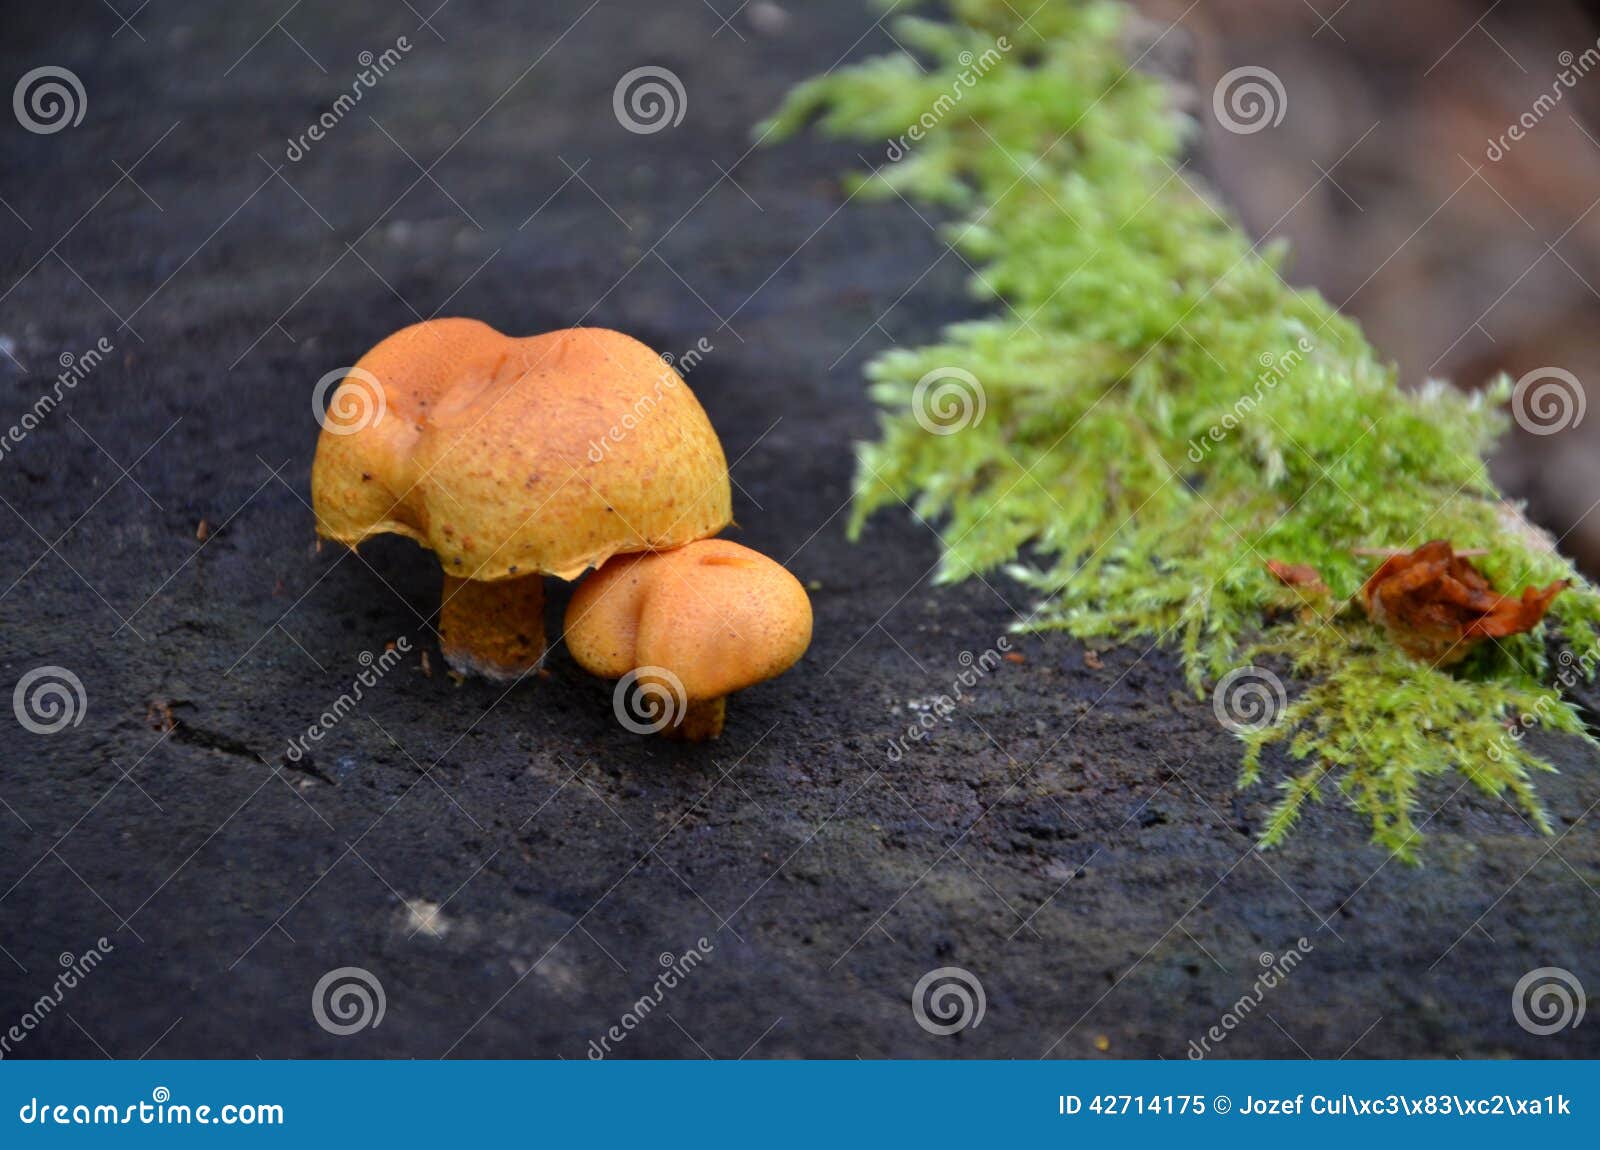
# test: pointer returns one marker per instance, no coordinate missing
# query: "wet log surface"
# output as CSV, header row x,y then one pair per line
x,y
514,867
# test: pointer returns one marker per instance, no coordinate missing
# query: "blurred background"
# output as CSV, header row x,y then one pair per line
x,y
1462,254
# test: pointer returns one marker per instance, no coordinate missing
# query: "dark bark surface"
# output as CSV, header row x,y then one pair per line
x,y
1071,834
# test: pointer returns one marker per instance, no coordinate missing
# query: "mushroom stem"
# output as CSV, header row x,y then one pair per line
x,y
702,720
492,629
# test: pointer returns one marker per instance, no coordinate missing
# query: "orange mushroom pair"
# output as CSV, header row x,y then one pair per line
x,y
513,459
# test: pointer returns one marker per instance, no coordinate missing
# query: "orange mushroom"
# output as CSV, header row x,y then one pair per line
x,y
513,459
686,628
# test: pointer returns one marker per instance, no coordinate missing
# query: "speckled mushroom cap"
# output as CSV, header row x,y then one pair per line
x,y
719,616
511,457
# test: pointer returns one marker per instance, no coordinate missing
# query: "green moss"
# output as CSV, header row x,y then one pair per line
x,y
1162,413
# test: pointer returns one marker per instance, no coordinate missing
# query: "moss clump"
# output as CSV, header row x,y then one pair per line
x,y
1161,413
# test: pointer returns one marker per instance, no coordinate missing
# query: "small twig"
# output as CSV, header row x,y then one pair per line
x,y
1391,552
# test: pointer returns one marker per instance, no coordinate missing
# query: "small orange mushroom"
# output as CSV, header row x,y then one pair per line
x,y
685,629
513,459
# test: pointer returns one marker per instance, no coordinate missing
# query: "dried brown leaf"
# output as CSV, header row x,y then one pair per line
x,y
1437,606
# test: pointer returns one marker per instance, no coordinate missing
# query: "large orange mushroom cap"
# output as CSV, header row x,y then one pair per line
x,y
714,616
512,457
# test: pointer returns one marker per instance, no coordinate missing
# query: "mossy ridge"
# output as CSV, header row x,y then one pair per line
x,y
1136,319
